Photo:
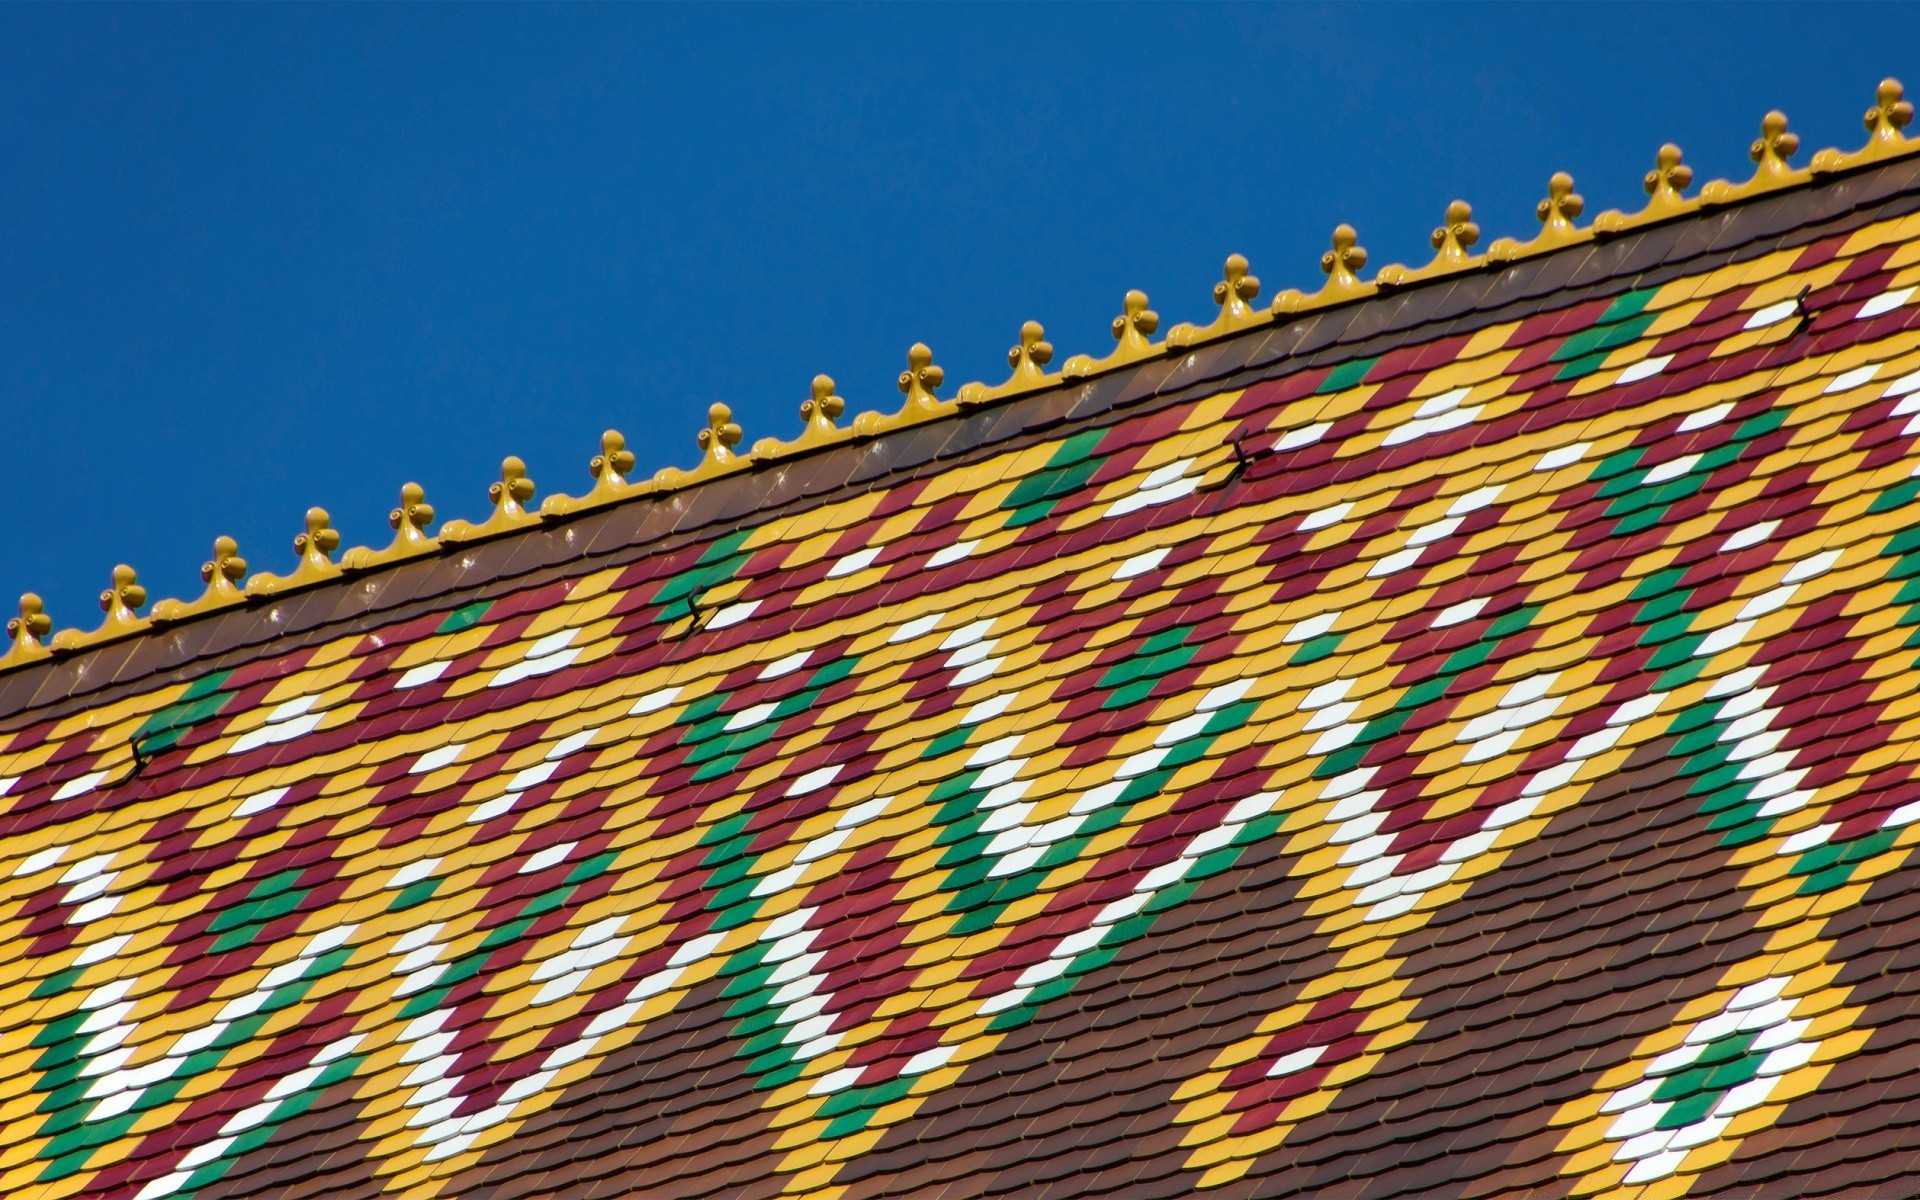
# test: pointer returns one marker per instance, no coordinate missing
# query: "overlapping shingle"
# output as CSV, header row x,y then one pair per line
x,y
1460,744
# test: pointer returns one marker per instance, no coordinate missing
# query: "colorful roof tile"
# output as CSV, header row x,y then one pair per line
x,y
1449,734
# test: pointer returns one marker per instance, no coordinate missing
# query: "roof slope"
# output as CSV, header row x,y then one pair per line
x,y
1457,742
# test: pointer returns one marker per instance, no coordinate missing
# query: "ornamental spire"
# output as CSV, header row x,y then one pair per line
x,y
719,437
223,573
1886,124
1663,185
1775,145
314,547
27,633
716,441
609,469
921,379
509,498
1133,329
611,466
1769,152
1556,213
1028,360
1456,236
121,602
409,522
1452,243
817,415
1342,264
819,411
1234,294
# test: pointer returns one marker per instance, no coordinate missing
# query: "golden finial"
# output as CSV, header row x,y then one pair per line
x,y
1136,324
223,575
120,603
1453,240
411,519
717,440
1663,185
1887,120
314,548
1341,266
609,469
1561,207
819,411
1556,214
410,537
720,436
1452,244
817,415
509,498
1237,290
1234,294
317,543
511,494
918,382
1342,263
1133,329
921,379
1668,179
1769,152
1886,124
26,632
1028,360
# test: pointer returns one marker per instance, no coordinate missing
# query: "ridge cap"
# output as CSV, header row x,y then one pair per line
x,y
31,637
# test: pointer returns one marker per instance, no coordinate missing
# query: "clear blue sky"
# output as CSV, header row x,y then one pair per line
x,y
257,257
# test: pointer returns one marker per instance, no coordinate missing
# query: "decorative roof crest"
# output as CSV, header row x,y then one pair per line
x,y
314,546
1342,266
609,469
1452,243
717,441
1133,329
611,466
1028,360
410,536
120,602
1557,213
224,574
819,411
1663,185
510,497
1235,294
817,415
1769,152
26,633
918,383
1886,124
1667,180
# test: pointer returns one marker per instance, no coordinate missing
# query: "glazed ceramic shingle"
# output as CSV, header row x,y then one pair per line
x,y
1449,735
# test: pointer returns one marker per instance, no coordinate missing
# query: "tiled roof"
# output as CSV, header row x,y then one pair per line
x,y
1454,739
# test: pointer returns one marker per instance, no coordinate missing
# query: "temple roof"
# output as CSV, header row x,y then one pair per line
x,y
1448,733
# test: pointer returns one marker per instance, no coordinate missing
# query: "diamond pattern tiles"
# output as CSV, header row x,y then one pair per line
x,y
1484,767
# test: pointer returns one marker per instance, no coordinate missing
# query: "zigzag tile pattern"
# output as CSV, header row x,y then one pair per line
x,y
1483,767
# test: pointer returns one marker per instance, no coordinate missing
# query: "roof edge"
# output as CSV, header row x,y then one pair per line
x,y
231,591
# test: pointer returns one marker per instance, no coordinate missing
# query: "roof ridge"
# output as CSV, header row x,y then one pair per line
x,y
31,638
